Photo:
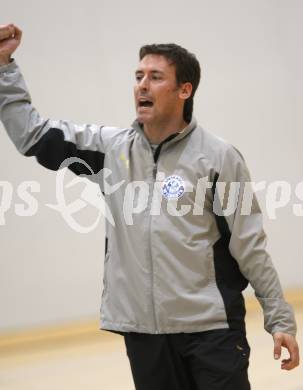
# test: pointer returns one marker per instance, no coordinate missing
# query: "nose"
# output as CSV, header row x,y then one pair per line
x,y
143,84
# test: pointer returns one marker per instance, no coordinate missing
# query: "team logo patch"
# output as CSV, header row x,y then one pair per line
x,y
173,187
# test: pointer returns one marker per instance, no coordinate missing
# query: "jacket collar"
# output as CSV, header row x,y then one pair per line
x,y
138,127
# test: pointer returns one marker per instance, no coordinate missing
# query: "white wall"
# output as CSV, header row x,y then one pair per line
x,y
78,59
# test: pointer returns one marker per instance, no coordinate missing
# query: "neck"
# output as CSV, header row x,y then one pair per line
x,y
158,132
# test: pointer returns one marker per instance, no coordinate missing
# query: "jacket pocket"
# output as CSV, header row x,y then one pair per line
x,y
211,265
105,272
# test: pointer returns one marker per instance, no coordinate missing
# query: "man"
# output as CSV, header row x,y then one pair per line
x,y
176,265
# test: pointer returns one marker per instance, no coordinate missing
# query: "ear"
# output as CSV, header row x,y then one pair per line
x,y
185,90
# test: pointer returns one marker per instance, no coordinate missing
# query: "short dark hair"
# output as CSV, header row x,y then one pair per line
x,y
187,68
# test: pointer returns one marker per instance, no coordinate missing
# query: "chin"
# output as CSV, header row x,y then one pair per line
x,y
144,119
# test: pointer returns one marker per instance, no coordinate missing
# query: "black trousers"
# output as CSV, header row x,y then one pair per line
x,y
211,360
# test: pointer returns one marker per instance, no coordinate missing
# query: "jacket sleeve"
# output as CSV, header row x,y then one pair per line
x,y
50,141
248,244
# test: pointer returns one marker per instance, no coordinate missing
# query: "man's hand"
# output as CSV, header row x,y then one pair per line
x,y
10,38
289,342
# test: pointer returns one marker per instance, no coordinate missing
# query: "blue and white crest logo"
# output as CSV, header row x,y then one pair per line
x,y
173,187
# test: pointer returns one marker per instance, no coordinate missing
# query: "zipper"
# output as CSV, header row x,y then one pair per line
x,y
154,175
155,168
151,257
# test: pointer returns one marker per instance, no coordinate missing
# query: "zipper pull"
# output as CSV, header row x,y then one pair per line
x,y
155,171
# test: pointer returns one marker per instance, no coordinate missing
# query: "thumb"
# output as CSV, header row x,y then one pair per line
x,y
277,347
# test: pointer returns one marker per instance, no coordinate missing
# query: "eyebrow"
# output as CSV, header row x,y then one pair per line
x,y
152,71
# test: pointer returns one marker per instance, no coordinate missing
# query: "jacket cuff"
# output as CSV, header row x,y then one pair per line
x,y
8,67
278,315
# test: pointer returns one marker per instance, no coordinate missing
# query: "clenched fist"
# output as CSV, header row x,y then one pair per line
x,y
10,38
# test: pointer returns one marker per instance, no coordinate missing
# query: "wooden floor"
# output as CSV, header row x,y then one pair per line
x,y
97,360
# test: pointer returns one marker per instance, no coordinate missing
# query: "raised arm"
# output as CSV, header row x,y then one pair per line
x,y
50,141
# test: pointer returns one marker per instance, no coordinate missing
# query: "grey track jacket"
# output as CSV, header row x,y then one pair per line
x,y
174,261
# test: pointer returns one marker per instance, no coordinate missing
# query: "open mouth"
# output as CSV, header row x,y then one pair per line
x,y
145,103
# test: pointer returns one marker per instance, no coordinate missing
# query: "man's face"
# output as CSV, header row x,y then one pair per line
x,y
157,95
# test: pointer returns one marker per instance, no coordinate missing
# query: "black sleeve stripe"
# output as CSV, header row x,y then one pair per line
x,y
51,150
229,279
